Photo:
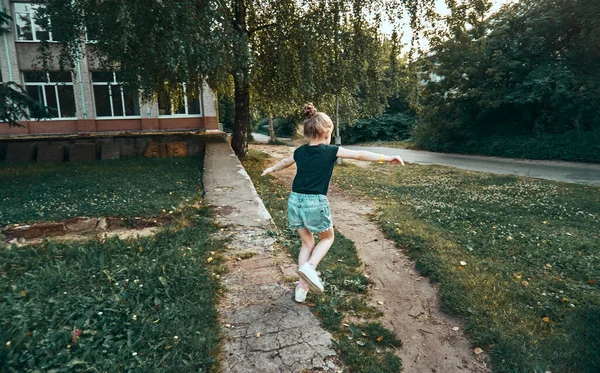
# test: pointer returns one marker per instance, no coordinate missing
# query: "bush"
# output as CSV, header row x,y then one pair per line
x,y
388,127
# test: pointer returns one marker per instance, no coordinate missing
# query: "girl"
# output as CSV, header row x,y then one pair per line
x,y
308,207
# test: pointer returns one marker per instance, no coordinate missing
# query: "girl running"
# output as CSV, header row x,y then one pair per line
x,y
308,207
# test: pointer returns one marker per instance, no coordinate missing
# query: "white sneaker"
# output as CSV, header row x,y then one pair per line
x,y
310,276
300,294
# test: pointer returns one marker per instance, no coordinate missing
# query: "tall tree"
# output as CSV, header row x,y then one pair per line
x,y
162,43
515,73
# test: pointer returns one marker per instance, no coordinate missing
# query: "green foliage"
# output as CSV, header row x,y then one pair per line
x,y
137,305
284,127
153,43
226,112
331,50
361,361
344,286
140,187
516,73
388,127
529,293
281,53
15,104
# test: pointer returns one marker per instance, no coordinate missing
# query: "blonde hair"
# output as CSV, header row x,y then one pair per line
x,y
316,123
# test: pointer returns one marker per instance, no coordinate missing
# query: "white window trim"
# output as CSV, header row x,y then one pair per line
x,y
112,110
182,116
32,13
185,105
55,85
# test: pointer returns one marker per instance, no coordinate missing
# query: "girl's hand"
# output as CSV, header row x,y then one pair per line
x,y
396,160
267,171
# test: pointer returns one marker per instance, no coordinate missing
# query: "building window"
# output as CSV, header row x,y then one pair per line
x,y
53,89
112,98
182,103
27,25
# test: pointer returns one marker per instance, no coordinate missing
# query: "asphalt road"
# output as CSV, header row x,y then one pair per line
x,y
569,172
259,137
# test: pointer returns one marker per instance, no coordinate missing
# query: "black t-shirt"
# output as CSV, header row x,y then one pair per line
x,y
315,166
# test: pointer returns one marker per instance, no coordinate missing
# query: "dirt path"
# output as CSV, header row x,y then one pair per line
x,y
411,304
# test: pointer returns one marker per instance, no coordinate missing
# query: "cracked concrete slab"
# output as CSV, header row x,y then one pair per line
x,y
265,330
228,186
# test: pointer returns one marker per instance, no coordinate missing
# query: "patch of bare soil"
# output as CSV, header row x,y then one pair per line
x,y
80,229
433,341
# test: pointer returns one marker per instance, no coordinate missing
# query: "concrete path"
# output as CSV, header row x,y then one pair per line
x,y
265,330
569,172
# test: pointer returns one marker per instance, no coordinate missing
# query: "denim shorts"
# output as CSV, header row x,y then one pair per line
x,y
310,211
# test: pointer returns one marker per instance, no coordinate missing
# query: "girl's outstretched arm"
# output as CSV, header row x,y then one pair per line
x,y
364,155
284,163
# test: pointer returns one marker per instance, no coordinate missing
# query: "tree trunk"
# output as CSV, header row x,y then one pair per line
x,y
271,129
239,140
241,81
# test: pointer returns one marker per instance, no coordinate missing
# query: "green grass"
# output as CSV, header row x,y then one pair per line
x,y
140,187
277,142
405,144
568,146
144,305
136,305
529,293
345,287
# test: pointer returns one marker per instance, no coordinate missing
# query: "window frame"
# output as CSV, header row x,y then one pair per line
x,y
185,105
54,85
32,12
114,82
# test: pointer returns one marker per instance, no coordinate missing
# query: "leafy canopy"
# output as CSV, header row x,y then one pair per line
x,y
532,68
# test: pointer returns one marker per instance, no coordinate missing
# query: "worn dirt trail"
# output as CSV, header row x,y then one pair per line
x,y
411,303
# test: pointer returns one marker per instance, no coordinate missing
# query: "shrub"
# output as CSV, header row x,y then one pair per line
x,y
388,127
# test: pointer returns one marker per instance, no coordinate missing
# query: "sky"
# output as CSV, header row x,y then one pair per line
x,y
441,8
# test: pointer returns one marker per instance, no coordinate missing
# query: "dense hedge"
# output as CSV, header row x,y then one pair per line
x,y
515,84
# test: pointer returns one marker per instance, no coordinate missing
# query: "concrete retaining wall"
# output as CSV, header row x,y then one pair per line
x,y
129,145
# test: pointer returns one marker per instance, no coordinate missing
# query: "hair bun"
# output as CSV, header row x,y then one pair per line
x,y
309,111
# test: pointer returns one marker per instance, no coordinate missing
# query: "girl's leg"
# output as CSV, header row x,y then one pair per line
x,y
308,244
326,240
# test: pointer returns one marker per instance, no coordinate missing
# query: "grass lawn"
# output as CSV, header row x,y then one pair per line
x,y
139,305
345,285
137,186
405,144
518,259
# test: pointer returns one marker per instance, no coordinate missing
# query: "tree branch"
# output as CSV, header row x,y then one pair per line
x,y
225,9
262,27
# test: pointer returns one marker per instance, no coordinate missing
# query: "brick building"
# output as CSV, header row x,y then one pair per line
x,y
89,100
